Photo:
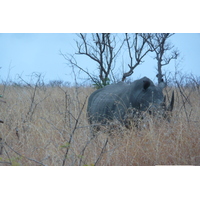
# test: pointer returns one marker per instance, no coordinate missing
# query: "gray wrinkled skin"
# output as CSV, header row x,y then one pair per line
x,y
122,101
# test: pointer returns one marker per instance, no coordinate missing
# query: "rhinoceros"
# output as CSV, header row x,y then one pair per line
x,y
121,101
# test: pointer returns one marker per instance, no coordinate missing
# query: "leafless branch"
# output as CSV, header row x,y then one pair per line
x,y
103,49
102,152
159,43
73,131
24,155
140,50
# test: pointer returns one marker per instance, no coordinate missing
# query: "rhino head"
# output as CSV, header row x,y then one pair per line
x,y
149,98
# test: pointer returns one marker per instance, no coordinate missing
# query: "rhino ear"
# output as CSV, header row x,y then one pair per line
x,y
146,84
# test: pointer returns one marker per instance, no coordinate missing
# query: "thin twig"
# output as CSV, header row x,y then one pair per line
x,y
101,154
73,131
4,162
83,151
24,155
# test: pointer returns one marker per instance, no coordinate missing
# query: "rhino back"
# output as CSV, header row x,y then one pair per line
x,y
109,102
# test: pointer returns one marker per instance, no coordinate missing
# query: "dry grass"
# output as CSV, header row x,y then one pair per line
x,y
48,126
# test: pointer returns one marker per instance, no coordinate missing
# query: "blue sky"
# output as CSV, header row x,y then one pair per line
x,y
23,54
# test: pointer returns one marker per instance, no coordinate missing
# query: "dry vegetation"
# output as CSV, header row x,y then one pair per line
x,y
48,126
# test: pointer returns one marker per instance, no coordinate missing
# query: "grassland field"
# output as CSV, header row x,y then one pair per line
x,y
48,126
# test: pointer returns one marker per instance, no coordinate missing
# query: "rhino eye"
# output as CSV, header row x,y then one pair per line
x,y
150,112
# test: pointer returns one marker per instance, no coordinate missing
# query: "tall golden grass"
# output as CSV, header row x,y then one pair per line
x,y
48,126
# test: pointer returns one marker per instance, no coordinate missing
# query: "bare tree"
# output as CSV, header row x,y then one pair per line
x,y
101,48
161,46
138,47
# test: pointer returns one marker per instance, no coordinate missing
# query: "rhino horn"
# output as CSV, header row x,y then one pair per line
x,y
164,103
171,105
